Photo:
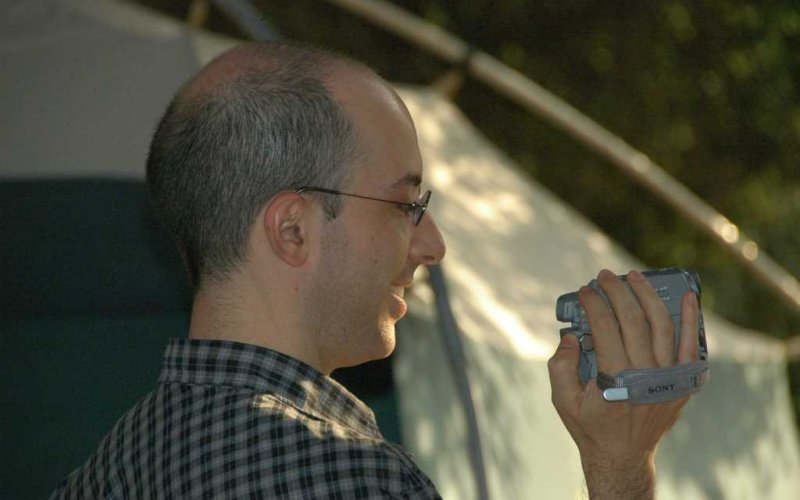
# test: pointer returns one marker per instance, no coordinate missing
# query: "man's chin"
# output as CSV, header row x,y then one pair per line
x,y
385,342
380,347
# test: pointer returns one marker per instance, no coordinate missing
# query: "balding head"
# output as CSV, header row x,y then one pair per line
x,y
258,120
270,63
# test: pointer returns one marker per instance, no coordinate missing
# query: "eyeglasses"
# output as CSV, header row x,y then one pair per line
x,y
416,209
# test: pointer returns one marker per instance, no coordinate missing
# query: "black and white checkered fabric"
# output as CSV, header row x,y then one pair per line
x,y
231,420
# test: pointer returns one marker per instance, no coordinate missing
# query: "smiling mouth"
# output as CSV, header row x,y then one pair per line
x,y
399,307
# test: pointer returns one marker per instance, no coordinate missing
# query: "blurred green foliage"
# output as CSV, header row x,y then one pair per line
x,y
709,89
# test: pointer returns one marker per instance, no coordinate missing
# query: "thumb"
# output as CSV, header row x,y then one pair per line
x,y
563,369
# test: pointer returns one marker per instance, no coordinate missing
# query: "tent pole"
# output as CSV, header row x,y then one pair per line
x,y
456,355
540,102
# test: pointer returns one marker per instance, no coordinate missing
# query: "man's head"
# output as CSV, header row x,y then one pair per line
x,y
256,121
240,139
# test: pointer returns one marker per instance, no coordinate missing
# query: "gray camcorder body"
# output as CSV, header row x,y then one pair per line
x,y
671,284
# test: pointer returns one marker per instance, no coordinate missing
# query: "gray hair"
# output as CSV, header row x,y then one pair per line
x,y
218,158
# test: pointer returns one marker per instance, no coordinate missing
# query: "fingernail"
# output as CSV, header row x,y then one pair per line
x,y
636,276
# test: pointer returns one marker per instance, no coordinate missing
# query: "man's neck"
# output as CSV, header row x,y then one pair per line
x,y
240,312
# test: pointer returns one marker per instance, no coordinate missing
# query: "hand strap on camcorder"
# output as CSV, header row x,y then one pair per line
x,y
656,385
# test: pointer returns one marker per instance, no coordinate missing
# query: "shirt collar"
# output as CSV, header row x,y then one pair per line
x,y
226,363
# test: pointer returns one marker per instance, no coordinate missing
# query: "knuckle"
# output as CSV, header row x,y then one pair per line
x,y
585,294
556,364
605,322
610,365
637,319
551,363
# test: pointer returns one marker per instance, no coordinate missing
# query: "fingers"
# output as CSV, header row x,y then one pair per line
x,y
610,350
659,320
563,370
633,324
639,332
689,345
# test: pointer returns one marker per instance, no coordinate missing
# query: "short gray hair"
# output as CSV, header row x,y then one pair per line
x,y
218,158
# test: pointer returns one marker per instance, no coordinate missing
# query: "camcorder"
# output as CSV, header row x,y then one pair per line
x,y
641,386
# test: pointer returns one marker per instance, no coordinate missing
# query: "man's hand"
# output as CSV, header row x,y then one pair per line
x,y
617,441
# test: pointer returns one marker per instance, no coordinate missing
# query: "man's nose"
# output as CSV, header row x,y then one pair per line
x,y
427,244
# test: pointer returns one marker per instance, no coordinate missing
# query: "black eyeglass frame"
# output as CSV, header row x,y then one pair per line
x,y
416,209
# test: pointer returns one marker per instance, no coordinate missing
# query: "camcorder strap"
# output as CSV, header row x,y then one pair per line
x,y
654,385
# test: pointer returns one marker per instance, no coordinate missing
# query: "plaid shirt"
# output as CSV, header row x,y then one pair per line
x,y
231,420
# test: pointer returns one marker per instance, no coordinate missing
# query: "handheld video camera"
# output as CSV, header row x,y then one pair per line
x,y
641,386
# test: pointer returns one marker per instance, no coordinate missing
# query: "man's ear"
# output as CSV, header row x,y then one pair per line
x,y
286,223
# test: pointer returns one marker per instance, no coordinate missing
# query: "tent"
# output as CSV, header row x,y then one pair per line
x,y
91,287
512,249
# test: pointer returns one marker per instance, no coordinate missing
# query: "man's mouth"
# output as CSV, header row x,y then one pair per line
x,y
399,308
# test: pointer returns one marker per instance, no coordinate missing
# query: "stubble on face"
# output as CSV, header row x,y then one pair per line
x,y
365,251
347,302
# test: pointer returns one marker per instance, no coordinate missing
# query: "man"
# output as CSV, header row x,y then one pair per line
x,y
291,180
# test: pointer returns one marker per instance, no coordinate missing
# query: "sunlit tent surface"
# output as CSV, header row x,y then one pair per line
x,y
84,83
512,249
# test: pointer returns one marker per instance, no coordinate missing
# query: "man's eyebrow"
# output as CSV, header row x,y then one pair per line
x,y
413,180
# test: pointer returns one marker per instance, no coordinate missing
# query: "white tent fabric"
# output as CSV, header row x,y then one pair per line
x,y
512,249
84,83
